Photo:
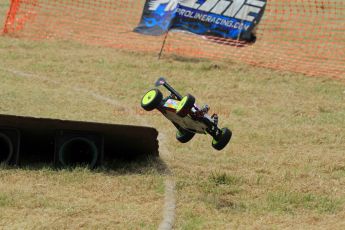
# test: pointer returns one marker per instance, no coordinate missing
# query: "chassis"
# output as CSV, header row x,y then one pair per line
x,y
186,116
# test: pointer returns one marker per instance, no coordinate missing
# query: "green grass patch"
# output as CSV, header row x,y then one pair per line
x,y
219,178
222,191
192,221
6,200
291,202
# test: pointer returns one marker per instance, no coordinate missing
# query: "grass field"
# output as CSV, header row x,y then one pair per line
x,y
284,168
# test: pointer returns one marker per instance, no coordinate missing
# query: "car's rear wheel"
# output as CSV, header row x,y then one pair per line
x,y
151,99
223,140
183,135
185,105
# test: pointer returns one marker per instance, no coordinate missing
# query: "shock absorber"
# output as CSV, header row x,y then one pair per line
x,y
205,109
215,119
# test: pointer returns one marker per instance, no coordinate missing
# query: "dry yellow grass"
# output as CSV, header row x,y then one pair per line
x,y
48,199
284,168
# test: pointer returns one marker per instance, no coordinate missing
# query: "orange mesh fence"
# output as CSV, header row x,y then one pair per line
x,y
306,36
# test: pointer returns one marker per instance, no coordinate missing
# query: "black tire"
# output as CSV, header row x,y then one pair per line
x,y
185,105
183,135
223,140
151,99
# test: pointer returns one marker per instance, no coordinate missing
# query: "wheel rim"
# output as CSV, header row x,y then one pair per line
x,y
214,141
179,133
149,97
182,103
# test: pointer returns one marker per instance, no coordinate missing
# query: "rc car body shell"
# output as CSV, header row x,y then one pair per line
x,y
168,109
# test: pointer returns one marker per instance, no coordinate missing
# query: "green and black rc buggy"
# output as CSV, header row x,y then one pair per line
x,y
186,116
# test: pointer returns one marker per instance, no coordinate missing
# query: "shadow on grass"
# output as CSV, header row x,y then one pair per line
x,y
184,59
142,165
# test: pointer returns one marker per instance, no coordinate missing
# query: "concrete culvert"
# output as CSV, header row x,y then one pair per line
x,y
78,151
6,148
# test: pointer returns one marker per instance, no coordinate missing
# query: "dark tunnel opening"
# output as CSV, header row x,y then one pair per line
x,y
6,148
78,151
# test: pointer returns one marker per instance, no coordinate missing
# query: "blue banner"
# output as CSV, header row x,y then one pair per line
x,y
229,19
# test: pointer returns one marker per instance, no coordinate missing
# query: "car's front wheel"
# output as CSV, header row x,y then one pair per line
x,y
185,105
151,99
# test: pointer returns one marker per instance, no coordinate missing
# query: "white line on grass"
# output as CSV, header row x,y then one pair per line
x,y
169,205
169,198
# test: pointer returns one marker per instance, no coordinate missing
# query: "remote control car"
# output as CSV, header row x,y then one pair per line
x,y
186,116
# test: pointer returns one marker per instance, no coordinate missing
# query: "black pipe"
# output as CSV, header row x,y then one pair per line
x,y
6,148
78,151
